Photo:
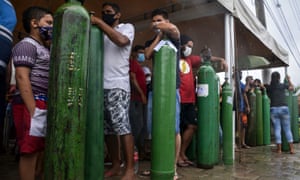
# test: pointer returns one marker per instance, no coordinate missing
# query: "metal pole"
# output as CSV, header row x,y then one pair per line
x,y
229,56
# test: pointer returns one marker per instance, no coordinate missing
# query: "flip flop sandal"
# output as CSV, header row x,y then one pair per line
x,y
110,174
182,164
145,173
189,162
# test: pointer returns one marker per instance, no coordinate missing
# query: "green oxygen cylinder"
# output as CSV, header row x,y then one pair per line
x,y
259,117
207,114
251,131
216,150
266,118
284,145
164,107
191,150
65,141
295,125
227,124
94,153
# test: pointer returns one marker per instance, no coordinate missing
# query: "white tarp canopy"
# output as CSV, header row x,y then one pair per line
x,y
203,20
240,10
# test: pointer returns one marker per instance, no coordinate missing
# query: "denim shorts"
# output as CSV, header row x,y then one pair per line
x,y
149,113
281,120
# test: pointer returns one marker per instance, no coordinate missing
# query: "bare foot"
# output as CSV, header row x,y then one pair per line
x,y
176,176
112,172
184,157
129,175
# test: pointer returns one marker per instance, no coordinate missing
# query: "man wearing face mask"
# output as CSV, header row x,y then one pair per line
x,y
31,58
118,38
138,96
163,28
188,123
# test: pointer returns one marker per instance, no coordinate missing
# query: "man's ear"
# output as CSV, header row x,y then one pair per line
x,y
118,15
34,23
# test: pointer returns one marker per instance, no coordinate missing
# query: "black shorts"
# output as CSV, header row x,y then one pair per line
x,y
188,115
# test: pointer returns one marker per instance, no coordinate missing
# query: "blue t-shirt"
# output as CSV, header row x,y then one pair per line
x,y
242,105
8,17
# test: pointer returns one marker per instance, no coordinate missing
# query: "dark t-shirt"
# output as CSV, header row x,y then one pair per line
x,y
277,94
176,43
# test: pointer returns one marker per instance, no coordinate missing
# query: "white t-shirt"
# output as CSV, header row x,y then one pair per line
x,y
116,60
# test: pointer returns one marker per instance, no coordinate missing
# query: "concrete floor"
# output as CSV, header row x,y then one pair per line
x,y
257,163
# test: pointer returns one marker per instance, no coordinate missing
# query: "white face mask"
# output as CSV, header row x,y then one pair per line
x,y
187,51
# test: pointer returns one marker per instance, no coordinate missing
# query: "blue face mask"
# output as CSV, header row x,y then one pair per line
x,y
141,57
46,32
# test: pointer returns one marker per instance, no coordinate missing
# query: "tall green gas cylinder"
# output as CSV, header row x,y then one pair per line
x,y
227,124
207,114
284,145
259,117
216,150
266,118
65,141
251,131
94,152
191,150
295,124
163,113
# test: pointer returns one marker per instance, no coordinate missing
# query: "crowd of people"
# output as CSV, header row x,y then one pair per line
x,y
127,88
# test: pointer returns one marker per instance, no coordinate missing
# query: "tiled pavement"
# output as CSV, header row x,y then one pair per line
x,y
257,163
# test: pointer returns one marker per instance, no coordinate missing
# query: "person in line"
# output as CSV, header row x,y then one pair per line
x,y
163,27
118,39
257,83
148,113
138,96
249,85
280,114
188,122
243,113
243,109
31,58
8,22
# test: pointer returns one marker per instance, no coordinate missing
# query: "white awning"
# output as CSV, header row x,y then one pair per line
x,y
243,14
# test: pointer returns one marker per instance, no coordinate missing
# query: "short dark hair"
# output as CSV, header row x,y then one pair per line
x,y
138,47
275,78
257,80
81,1
161,12
184,39
33,12
115,6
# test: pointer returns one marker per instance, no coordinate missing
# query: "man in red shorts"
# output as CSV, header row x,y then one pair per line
x,y
31,58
